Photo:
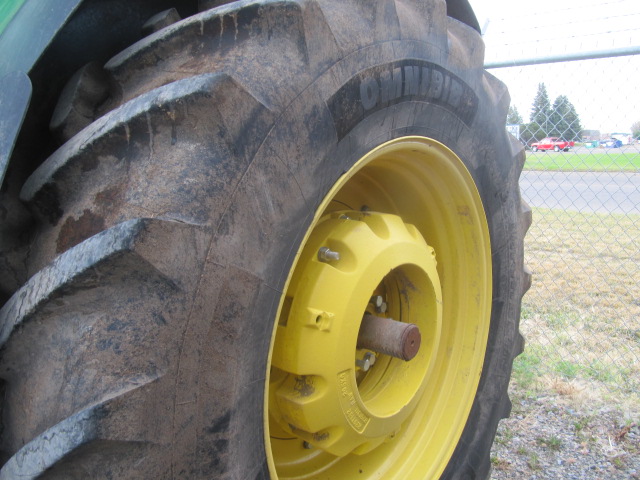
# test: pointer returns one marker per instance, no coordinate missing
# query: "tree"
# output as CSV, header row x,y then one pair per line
x,y
635,130
513,117
541,109
532,132
564,121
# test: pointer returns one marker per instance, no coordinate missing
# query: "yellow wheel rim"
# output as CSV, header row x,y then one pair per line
x,y
402,235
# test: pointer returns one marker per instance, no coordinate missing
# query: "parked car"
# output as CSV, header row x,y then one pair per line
x,y
611,143
552,143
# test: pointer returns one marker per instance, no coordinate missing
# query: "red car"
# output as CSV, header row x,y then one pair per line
x,y
552,143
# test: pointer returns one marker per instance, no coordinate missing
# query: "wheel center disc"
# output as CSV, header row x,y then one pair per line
x,y
324,390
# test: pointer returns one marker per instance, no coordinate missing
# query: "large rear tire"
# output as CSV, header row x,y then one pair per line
x,y
179,322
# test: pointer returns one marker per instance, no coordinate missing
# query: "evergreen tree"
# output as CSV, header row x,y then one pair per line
x,y
531,132
541,109
564,120
635,130
513,117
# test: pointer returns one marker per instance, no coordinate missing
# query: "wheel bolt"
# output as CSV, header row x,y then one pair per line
x,y
325,254
367,361
382,308
377,301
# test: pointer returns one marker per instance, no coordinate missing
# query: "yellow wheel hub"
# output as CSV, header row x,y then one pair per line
x,y
319,398
339,408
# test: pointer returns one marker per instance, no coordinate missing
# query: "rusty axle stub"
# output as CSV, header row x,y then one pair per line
x,y
388,336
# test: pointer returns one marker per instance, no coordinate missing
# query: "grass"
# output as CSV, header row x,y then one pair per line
x,y
499,463
582,423
504,436
527,366
618,462
611,160
581,317
552,443
534,461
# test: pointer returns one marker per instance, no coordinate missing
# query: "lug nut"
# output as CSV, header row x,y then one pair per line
x,y
382,308
325,254
377,301
367,361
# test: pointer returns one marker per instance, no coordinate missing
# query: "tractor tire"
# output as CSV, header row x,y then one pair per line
x,y
262,177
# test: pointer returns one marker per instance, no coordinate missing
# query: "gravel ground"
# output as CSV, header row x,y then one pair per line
x,y
556,437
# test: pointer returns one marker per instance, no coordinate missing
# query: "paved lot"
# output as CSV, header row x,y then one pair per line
x,y
590,192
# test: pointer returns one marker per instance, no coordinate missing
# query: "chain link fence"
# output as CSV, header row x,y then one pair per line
x,y
581,318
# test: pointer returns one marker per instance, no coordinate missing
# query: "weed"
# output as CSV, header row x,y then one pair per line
x,y
552,443
582,423
499,463
534,461
618,461
504,436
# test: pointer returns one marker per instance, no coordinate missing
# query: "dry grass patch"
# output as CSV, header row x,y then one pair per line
x,y
581,318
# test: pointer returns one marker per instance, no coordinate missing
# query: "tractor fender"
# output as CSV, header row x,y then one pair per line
x,y
21,49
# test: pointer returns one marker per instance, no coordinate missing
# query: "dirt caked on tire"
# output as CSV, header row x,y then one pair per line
x,y
262,178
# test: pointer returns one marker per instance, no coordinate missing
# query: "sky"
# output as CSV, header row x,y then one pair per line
x,y
604,92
